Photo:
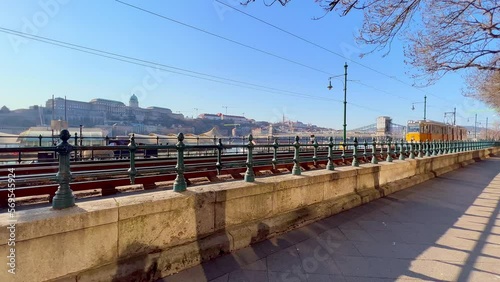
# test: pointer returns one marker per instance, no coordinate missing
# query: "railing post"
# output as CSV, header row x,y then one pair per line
x,y
344,144
330,165
427,146
374,151
275,153
355,161
402,152
365,156
396,148
64,197
315,155
389,151
76,144
249,175
215,143
40,140
420,149
296,157
382,149
412,153
180,182
218,165
132,171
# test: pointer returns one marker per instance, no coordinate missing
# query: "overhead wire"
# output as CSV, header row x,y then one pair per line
x,y
327,50
145,63
222,37
260,50
250,47
163,67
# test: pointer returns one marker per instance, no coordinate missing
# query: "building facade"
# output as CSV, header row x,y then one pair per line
x,y
103,111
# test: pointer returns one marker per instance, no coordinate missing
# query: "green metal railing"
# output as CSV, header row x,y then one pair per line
x,y
309,151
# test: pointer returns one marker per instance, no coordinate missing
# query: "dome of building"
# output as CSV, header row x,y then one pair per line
x,y
133,102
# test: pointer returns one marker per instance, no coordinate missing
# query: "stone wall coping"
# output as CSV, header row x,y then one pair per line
x,y
43,221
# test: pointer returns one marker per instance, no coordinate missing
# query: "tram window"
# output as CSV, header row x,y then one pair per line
x,y
413,128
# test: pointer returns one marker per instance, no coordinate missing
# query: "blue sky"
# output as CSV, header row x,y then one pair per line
x,y
31,72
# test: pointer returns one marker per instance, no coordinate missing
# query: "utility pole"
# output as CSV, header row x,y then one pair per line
x,y
454,113
345,97
475,126
65,110
345,102
425,106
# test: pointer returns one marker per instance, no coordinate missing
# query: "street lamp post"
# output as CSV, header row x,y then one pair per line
x,y
425,106
475,126
486,133
345,97
480,123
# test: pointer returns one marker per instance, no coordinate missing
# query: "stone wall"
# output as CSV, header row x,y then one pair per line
x,y
153,234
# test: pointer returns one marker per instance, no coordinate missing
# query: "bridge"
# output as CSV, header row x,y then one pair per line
x,y
242,224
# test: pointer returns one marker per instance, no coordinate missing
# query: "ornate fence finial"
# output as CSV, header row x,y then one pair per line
x,y
64,197
179,182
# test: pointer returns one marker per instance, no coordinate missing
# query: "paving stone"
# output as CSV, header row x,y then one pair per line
x,y
247,276
284,261
446,229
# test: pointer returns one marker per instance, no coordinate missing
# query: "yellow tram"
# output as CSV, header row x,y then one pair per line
x,y
422,130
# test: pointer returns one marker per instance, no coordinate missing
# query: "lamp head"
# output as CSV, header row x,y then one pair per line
x,y
412,107
329,85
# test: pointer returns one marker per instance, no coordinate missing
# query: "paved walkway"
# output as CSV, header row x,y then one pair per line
x,y
447,229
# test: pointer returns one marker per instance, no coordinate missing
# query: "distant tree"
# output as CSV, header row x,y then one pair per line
x,y
485,86
442,35
4,110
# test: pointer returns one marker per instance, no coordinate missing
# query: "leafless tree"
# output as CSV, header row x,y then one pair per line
x,y
485,86
442,35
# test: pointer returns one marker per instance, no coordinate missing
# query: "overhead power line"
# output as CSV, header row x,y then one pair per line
x,y
260,50
222,37
326,49
160,66
163,67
